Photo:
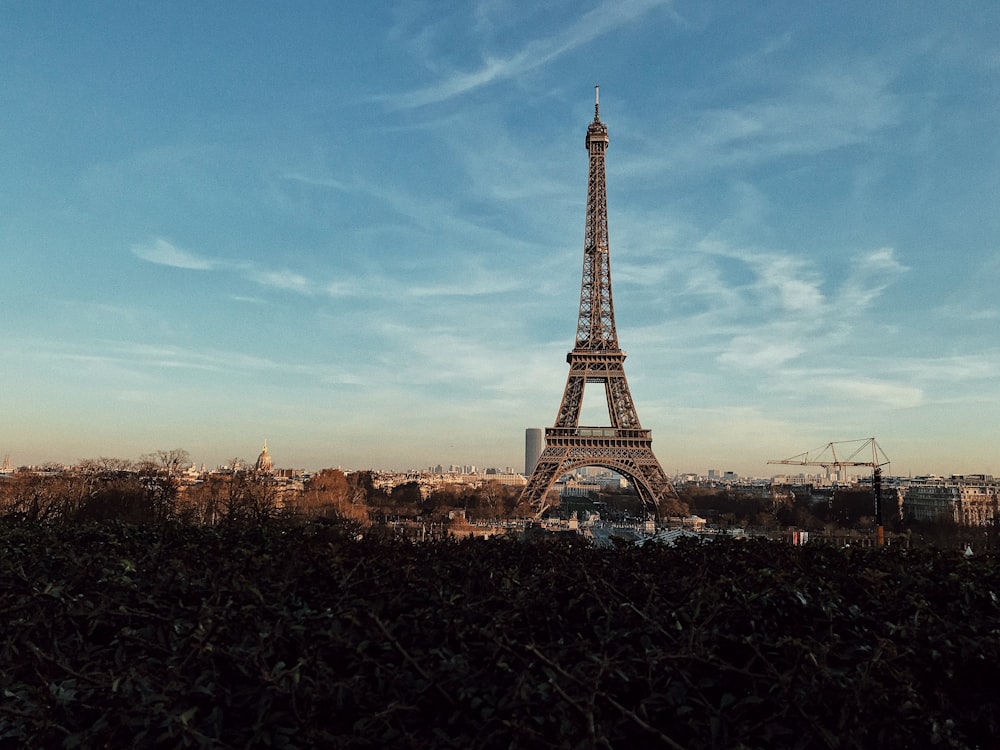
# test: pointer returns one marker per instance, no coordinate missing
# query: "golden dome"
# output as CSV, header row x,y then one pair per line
x,y
264,463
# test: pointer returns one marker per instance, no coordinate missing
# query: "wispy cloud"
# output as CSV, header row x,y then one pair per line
x,y
757,352
447,358
343,288
535,53
281,279
470,280
786,282
785,324
812,112
895,395
871,274
137,362
327,182
797,318
983,367
469,283
164,253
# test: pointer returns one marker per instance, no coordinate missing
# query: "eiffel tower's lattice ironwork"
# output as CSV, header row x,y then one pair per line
x,y
624,446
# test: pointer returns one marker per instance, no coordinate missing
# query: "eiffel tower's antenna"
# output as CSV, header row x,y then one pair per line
x,y
623,446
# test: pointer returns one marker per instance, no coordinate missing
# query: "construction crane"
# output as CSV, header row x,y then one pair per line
x,y
827,458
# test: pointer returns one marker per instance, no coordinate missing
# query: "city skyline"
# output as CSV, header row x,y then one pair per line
x,y
357,232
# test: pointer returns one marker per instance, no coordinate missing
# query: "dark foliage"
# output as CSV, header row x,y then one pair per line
x,y
180,636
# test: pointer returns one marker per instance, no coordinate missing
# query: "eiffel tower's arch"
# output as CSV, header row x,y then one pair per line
x,y
620,462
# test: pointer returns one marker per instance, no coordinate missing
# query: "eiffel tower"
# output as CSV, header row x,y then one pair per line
x,y
624,447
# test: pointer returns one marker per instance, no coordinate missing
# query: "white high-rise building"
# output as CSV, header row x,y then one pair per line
x,y
532,449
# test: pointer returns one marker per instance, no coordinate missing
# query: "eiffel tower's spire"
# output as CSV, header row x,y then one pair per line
x,y
623,446
595,330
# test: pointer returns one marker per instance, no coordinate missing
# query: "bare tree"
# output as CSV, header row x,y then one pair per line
x,y
170,462
260,493
37,497
206,500
331,493
160,473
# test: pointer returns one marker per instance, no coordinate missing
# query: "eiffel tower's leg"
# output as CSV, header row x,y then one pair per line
x,y
569,409
656,480
620,402
548,469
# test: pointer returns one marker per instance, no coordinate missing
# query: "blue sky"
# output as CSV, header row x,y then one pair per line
x,y
356,229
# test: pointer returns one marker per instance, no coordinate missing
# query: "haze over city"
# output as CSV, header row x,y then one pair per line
x,y
357,231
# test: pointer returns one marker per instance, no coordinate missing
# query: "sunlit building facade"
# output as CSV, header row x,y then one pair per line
x,y
966,500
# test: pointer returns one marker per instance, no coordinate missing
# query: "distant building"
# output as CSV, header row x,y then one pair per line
x,y
967,500
577,488
264,463
532,449
509,479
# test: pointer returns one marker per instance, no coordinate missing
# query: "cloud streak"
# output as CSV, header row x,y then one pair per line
x,y
138,361
535,53
812,112
163,253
